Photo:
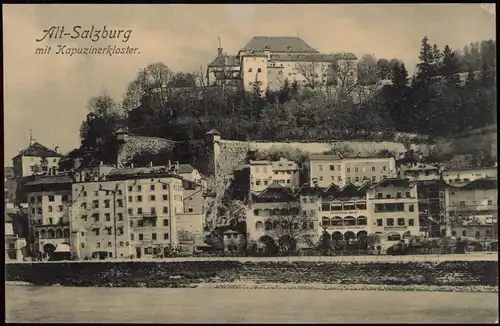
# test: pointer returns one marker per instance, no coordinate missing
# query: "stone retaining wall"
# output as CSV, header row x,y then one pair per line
x,y
168,274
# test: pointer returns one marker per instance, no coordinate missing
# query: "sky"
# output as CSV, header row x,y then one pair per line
x,y
48,93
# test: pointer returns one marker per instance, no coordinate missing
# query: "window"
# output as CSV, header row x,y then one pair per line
x,y
249,69
153,236
50,208
257,182
106,203
139,188
152,198
165,236
348,179
96,193
401,221
139,198
453,233
373,168
51,198
120,216
130,199
411,208
332,167
398,194
355,169
119,192
96,231
165,197
109,231
411,222
107,192
348,169
96,217
408,195
139,210
119,202
109,244
190,210
130,212
379,195
356,179
152,187
379,222
165,222
164,187
490,202
84,194
121,243
130,188
95,204
464,233
390,222
141,237
39,210
153,210
64,197
82,245
384,168
320,178
388,196
51,220
339,178
108,216
132,236
165,210
374,178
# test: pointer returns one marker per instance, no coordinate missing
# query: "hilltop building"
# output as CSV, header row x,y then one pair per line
x,y
264,173
270,60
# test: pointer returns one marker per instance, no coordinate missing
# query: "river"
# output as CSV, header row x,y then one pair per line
x,y
36,304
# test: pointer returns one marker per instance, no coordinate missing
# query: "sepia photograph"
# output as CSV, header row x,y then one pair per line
x,y
250,163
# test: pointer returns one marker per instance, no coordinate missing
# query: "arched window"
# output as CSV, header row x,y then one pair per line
x,y
43,234
268,225
362,220
336,221
51,234
59,233
256,212
349,221
325,221
66,233
259,225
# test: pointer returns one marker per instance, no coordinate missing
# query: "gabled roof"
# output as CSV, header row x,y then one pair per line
x,y
332,190
38,150
186,168
275,193
349,190
279,44
225,61
307,190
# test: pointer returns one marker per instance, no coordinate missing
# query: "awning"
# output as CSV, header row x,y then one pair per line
x,y
62,248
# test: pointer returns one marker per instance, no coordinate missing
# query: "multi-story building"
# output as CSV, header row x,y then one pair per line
x,y
10,185
272,60
327,169
393,209
431,207
275,217
133,212
14,244
460,176
36,159
49,207
188,172
421,172
264,173
472,208
344,212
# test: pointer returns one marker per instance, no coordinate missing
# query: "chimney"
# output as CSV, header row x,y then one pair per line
x,y
151,164
219,52
169,166
177,167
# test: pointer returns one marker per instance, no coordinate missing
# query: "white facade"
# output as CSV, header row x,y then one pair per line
x,y
23,164
264,173
457,176
327,169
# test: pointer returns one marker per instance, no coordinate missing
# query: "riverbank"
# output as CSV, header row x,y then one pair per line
x,y
466,276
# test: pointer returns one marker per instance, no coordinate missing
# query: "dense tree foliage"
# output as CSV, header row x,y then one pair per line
x,y
450,93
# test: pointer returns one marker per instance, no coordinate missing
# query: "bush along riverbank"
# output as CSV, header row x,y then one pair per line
x,y
461,274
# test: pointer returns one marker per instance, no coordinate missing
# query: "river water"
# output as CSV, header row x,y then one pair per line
x,y
125,305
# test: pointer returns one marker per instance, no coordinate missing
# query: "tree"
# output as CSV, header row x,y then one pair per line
x,y
325,242
450,68
313,69
97,132
152,85
290,227
342,77
383,69
367,70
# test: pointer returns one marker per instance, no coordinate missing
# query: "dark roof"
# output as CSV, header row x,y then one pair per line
x,y
307,190
484,183
230,61
50,180
332,190
38,150
279,44
312,57
213,132
274,193
141,173
398,182
350,190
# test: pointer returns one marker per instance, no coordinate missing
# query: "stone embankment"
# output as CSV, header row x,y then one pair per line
x,y
461,275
